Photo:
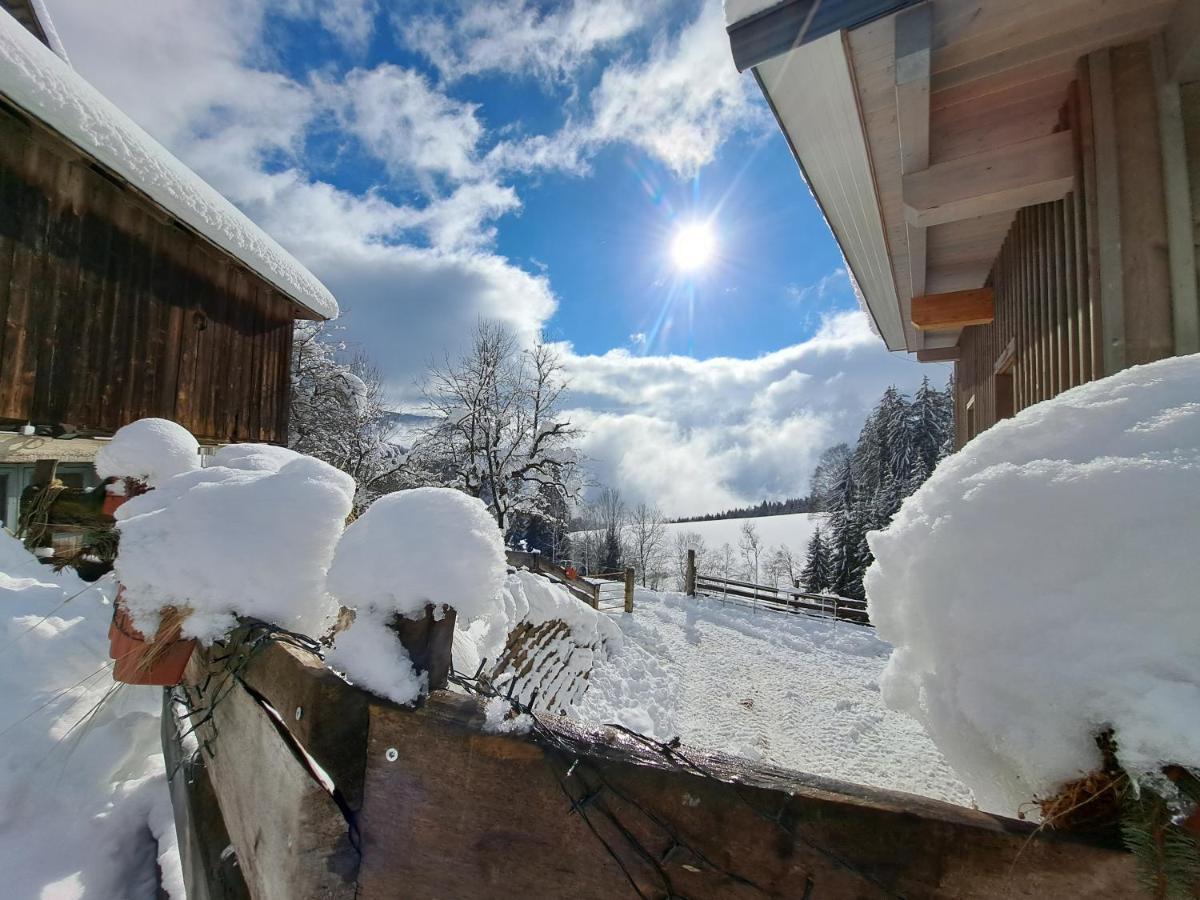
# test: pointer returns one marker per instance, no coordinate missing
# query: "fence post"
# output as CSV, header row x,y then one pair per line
x,y
629,589
689,577
596,595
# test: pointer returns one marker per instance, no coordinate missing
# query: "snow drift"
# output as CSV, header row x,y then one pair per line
x,y
1042,587
84,806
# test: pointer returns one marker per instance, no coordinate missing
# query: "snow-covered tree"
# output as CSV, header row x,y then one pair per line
x,y
824,477
336,413
498,431
815,576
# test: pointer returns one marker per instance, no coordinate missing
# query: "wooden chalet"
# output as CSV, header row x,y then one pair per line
x,y
128,286
1015,184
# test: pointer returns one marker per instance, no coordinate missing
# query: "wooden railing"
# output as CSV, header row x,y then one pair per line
x,y
784,599
592,589
299,785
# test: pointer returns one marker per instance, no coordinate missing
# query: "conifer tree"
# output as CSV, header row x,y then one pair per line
x,y
815,574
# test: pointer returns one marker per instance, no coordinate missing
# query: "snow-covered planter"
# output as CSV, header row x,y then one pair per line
x,y
1040,591
250,535
430,554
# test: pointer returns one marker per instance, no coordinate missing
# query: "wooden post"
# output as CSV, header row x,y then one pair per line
x,y
689,578
629,589
596,595
429,641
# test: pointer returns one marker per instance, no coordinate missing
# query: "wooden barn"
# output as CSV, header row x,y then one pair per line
x,y
1015,185
128,286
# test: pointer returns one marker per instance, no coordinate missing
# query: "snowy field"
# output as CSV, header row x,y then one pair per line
x,y
794,691
792,530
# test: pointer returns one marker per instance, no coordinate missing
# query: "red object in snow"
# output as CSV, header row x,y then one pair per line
x,y
158,661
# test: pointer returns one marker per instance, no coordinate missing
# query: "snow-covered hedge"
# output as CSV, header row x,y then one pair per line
x,y
1044,585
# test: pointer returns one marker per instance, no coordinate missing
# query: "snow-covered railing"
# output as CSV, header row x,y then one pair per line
x,y
291,780
782,598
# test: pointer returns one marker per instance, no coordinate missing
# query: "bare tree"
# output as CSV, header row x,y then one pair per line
x,y
751,547
685,541
499,433
647,543
783,566
336,412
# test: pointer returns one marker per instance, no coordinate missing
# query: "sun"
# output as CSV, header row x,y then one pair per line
x,y
693,246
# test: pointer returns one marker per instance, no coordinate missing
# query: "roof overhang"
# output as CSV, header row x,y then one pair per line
x,y
922,127
787,25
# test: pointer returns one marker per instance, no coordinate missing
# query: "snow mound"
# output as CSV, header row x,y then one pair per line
x,y
151,450
254,540
84,806
1041,587
428,545
409,549
46,87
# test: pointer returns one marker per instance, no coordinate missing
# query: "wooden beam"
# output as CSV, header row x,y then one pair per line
x,y
938,354
1182,37
1036,171
957,309
1177,191
913,41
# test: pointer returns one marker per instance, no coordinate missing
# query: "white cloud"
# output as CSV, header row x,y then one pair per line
x,y
516,37
407,124
206,94
701,435
683,101
352,22
837,281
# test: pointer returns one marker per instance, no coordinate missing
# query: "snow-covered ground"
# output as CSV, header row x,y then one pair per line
x,y
84,806
792,530
794,691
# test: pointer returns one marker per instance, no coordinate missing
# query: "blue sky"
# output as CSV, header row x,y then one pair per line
x,y
530,162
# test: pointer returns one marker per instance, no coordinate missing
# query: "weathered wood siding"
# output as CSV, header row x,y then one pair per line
x,y
1044,322
1082,285
111,311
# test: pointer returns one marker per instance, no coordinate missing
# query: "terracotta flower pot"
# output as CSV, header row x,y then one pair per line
x,y
139,661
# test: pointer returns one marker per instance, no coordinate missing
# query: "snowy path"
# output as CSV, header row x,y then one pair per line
x,y
794,691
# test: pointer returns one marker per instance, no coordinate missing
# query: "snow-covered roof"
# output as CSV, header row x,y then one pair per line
x,y
42,85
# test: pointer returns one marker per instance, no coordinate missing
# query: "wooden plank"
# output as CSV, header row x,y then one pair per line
x,y
939,354
440,789
1145,267
291,839
1182,36
1177,191
1108,213
957,309
1003,178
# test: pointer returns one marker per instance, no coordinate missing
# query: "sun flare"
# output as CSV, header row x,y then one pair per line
x,y
693,246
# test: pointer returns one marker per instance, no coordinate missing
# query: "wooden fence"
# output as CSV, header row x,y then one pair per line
x,y
770,596
592,590
304,786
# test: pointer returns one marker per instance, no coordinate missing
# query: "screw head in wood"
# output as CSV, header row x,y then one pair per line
x,y
391,754
299,713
